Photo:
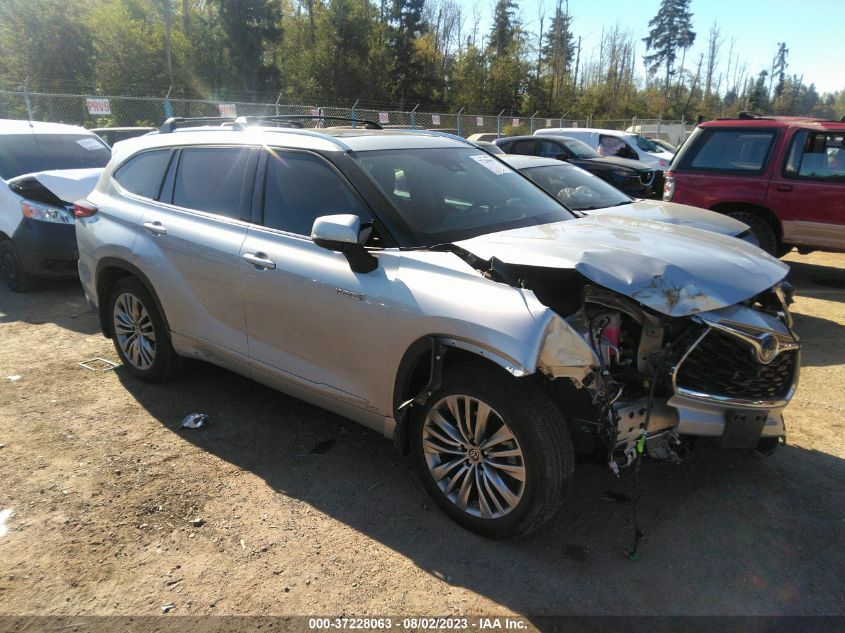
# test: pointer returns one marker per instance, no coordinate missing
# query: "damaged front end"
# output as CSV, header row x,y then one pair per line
x,y
632,378
653,381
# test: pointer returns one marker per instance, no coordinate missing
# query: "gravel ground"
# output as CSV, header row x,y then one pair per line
x,y
115,511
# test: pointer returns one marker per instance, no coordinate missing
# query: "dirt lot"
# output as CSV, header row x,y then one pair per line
x,y
102,486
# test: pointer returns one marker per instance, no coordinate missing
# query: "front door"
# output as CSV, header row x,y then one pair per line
x,y
311,320
808,193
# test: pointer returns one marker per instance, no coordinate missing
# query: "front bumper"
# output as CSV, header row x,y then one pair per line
x,y
47,249
742,371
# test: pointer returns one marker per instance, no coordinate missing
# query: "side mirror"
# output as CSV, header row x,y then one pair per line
x,y
342,234
562,157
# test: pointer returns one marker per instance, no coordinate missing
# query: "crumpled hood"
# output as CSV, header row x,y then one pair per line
x,y
675,270
68,185
678,214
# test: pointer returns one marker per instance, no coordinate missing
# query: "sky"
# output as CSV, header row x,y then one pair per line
x,y
814,30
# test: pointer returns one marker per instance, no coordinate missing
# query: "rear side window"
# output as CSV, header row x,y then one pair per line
x,y
212,179
142,174
300,188
733,150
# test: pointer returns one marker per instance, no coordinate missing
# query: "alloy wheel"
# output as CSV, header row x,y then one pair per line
x,y
473,456
134,331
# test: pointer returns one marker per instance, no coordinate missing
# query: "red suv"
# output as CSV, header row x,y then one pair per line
x,y
783,176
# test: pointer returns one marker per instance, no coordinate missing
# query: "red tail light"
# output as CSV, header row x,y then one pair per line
x,y
84,209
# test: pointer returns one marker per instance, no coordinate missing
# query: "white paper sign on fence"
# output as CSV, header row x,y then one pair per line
x,y
314,111
98,107
479,121
548,123
435,119
227,109
383,117
515,121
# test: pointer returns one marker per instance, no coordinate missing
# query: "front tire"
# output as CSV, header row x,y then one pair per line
x,y
493,451
139,332
14,275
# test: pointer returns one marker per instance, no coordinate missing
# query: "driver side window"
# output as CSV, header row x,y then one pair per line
x,y
300,187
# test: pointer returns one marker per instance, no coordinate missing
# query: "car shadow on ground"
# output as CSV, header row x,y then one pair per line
x,y
725,532
49,297
822,340
810,278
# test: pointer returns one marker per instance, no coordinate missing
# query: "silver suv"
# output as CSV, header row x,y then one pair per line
x,y
422,287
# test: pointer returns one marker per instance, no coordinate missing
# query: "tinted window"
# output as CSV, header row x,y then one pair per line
x,y
26,153
212,179
550,149
142,174
576,188
526,148
451,194
734,150
302,187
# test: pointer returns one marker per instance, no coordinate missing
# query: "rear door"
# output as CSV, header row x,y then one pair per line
x,y
189,246
808,191
312,321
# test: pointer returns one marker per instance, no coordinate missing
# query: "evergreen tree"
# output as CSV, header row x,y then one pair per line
x,y
670,32
558,54
248,26
407,69
504,29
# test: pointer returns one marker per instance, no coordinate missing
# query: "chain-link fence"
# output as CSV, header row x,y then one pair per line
x,y
112,111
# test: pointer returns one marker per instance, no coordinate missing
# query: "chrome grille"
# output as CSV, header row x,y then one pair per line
x,y
724,366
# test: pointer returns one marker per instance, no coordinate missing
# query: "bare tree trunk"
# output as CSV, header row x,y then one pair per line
x,y
186,17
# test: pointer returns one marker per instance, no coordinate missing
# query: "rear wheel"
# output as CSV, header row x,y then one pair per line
x,y
140,335
14,275
493,451
762,230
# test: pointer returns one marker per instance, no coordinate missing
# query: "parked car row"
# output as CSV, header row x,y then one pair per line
x,y
493,314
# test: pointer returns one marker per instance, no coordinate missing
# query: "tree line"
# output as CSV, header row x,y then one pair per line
x,y
431,53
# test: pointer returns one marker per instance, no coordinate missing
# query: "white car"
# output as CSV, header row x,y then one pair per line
x,y
45,168
616,143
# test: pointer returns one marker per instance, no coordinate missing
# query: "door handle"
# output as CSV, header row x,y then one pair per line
x,y
259,260
156,228
784,187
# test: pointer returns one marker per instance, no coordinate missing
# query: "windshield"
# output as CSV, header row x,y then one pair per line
x,y
646,145
450,194
27,153
580,149
576,188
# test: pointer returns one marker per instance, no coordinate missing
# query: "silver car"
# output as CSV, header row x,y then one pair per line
x,y
424,288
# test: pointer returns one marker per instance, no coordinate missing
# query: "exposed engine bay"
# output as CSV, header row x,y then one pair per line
x,y
638,381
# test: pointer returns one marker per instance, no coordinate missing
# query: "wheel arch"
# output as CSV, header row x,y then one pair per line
x,y
425,360
759,210
110,270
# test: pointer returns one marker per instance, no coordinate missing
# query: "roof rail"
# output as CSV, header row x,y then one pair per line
x,y
366,123
174,122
